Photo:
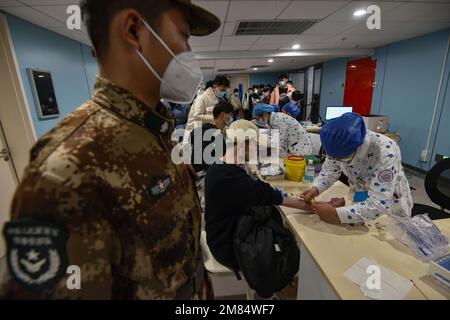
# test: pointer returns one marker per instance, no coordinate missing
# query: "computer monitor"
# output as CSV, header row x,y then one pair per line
x,y
335,112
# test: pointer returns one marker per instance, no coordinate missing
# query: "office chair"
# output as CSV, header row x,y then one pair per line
x,y
436,195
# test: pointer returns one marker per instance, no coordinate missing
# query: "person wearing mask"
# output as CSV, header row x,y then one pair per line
x,y
261,90
237,104
298,100
373,165
202,108
100,191
246,103
281,89
294,140
266,95
256,93
223,117
231,181
251,99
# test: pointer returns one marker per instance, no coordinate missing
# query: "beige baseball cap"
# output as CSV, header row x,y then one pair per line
x,y
202,22
242,130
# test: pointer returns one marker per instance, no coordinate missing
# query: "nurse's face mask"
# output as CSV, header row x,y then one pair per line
x,y
182,76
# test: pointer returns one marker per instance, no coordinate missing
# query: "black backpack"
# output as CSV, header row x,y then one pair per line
x,y
265,251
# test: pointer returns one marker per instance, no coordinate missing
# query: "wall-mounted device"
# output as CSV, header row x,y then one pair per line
x,y
43,93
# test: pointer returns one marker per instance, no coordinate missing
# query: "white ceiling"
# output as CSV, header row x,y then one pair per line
x,y
337,29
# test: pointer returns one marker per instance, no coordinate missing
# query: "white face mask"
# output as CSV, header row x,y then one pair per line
x,y
182,77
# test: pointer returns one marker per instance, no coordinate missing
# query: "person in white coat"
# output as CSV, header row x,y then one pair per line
x,y
372,163
202,108
294,140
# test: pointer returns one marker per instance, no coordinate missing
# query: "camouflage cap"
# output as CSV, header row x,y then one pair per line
x,y
202,22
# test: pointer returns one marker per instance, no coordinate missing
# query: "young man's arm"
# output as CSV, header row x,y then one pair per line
x,y
295,203
259,193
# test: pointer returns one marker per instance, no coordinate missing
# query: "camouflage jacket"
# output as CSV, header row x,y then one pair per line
x,y
102,194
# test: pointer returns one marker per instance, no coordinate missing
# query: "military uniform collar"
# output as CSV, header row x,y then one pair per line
x,y
122,102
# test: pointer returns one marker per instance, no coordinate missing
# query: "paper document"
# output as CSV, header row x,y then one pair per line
x,y
378,282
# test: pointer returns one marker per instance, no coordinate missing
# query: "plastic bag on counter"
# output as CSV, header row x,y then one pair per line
x,y
271,170
421,235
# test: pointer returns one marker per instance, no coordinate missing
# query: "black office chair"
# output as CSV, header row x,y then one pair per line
x,y
436,183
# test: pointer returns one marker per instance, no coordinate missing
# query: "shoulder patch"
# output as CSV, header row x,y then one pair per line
x,y
36,252
386,176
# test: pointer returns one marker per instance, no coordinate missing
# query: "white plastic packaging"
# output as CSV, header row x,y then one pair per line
x,y
421,235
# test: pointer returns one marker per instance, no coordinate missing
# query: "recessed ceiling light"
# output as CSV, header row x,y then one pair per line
x,y
359,13
256,69
353,66
270,60
41,76
296,46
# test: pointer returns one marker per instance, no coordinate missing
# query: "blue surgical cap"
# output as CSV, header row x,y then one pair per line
x,y
342,136
261,108
292,108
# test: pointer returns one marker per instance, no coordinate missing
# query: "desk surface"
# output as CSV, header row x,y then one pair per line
x,y
335,248
313,129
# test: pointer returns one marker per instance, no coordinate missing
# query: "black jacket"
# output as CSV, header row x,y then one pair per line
x,y
205,143
229,193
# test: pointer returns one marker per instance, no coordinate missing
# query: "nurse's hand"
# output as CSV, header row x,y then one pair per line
x,y
326,212
309,194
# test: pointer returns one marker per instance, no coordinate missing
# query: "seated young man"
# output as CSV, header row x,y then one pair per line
x,y
230,192
208,141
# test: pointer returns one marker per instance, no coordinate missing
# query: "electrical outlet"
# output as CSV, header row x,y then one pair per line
x,y
424,155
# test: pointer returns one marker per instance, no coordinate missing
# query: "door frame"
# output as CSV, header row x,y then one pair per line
x,y
244,75
17,122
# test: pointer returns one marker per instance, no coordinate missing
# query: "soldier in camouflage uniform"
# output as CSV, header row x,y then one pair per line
x,y
101,192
